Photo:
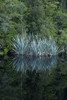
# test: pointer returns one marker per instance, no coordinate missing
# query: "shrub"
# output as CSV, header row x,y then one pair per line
x,y
33,45
20,45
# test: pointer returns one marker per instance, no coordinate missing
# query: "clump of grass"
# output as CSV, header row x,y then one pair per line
x,y
34,46
20,45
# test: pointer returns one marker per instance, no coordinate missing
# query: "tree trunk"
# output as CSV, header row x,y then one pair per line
x,y
22,28
21,25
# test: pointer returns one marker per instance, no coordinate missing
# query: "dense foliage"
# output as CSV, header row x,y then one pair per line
x,y
42,17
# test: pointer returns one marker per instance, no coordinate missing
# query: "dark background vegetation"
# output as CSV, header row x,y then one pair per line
x,y
42,17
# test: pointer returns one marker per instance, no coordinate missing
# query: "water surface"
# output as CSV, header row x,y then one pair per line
x,y
30,78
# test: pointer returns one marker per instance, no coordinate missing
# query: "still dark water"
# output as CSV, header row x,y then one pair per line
x,y
24,78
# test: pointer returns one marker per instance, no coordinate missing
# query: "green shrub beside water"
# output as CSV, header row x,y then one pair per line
x,y
34,46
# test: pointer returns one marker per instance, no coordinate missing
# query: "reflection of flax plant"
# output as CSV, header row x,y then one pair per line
x,y
22,63
32,45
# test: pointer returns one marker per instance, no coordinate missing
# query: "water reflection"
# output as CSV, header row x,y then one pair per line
x,y
34,81
31,63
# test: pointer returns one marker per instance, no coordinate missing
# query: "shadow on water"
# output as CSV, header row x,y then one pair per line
x,y
27,78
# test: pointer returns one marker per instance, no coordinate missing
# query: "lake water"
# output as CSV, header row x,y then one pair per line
x,y
30,78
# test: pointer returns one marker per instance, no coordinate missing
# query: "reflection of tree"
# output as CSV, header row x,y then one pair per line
x,y
33,65
4,86
23,63
37,87
36,83
5,82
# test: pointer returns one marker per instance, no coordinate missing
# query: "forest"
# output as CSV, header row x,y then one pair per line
x,y
42,19
33,49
